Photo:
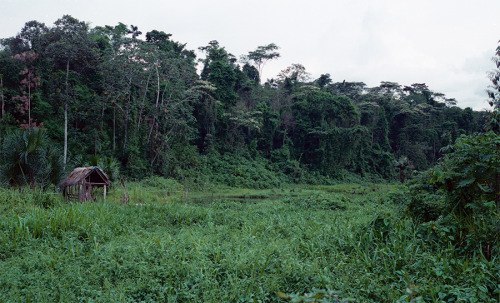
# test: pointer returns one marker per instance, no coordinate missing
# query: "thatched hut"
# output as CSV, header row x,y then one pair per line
x,y
82,182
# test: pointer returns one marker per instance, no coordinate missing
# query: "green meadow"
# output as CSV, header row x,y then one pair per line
x,y
155,241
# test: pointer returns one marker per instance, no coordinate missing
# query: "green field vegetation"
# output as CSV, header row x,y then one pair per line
x,y
229,188
154,241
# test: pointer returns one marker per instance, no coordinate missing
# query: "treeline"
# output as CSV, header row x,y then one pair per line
x,y
114,92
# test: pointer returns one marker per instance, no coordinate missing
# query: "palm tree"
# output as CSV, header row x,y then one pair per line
x,y
26,157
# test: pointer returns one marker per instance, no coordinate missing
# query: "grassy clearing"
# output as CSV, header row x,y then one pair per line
x,y
240,246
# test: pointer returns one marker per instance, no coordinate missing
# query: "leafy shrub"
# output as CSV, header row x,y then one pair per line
x,y
458,199
469,175
235,171
420,199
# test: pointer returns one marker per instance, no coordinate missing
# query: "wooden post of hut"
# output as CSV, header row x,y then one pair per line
x,y
82,181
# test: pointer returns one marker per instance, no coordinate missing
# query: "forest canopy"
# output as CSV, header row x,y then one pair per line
x,y
136,100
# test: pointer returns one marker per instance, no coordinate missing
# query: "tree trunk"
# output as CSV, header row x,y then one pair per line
x,y
65,153
102,116
139,118
114,128
127,111
156,107
126,123
29,100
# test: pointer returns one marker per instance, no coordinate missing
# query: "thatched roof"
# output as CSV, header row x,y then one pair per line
x,y
92,174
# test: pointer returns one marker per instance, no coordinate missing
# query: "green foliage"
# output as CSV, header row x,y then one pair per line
x,y
421,202
319,201
494,120
236,171
326,131
470,175
168,248
261,55
494,94
159,182
315,296
457,201
141,103
22,199
111,167
108,164
26,157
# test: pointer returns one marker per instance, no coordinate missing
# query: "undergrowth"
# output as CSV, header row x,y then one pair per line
x,y
244,171
342,243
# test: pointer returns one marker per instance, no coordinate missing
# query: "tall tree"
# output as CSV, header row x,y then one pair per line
x,y
261,56
324,80
219,69
71,44
32,35
293,74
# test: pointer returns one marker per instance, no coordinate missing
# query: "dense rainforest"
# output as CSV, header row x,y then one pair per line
x,y
150,113
145,105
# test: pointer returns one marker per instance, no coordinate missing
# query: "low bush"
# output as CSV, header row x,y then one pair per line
x,y
458,200
235,171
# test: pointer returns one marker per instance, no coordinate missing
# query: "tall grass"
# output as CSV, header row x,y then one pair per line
x,y
345,240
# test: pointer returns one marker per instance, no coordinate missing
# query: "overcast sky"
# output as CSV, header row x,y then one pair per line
x,y
447,44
